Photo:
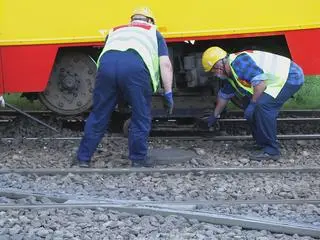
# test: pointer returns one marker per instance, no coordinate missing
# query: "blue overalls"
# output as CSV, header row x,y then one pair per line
x,y
264,124
121,73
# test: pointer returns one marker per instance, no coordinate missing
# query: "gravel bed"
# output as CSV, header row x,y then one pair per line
x,y
22,153
180,187
25,127
294,213
103,224
301,213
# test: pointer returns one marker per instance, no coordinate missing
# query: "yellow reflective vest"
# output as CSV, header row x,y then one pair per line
x,y
275,68
141,37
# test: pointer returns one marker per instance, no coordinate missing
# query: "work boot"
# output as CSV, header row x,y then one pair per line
x,y
260,156
254,147
83,164
148,162
80,163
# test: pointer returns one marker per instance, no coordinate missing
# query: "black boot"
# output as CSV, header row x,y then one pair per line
x,y
80,163
148,162
264,156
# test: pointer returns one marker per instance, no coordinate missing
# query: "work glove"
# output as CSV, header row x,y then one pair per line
x,y
249,111
2,102
212,120
168,102
207,122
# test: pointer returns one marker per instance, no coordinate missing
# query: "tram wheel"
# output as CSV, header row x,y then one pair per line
x,y
70,87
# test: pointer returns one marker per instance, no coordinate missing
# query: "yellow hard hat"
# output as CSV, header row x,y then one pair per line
x,y
211,56
144,11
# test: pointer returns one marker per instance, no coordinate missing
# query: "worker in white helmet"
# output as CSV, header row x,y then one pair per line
x,y
130,65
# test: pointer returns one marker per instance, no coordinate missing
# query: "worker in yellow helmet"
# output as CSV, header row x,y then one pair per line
x,y
269,80
130,65
143,12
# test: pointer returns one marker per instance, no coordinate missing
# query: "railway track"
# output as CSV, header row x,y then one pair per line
x,y
205,137
234,117
229,117
192,208
217,219
293,125
38,200
118,171
281,198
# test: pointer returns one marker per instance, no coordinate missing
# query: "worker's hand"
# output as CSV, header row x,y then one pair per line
x,y
212,119
168,102
207,122
2,102
249,111
245,101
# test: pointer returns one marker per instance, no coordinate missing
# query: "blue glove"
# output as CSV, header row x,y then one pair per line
x,y
168,102
211,120
249,111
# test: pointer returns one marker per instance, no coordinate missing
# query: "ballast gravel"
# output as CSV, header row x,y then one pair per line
x,y
289,213
180,187
111,153
104,224
301,213
94,224
23,153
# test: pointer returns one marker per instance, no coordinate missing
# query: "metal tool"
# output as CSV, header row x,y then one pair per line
x,y
29,116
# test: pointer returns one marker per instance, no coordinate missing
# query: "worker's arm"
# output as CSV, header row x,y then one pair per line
x,y
224,95
166,73
257,91
209,121
165,64
221,104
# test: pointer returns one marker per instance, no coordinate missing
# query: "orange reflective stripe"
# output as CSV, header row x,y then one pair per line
x,y
244,82
138,24
247,51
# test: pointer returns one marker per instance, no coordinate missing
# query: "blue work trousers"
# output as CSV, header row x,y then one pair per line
x,y
264,124
119,74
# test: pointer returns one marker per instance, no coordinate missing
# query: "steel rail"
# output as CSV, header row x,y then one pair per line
x,y
14,194
297,119
174,204
63,198
301,112
242,221
207,136
118,171
225,119
278,119
220,120
304,111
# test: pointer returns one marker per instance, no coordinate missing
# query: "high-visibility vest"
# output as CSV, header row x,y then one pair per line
x,y
275,69
141,37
